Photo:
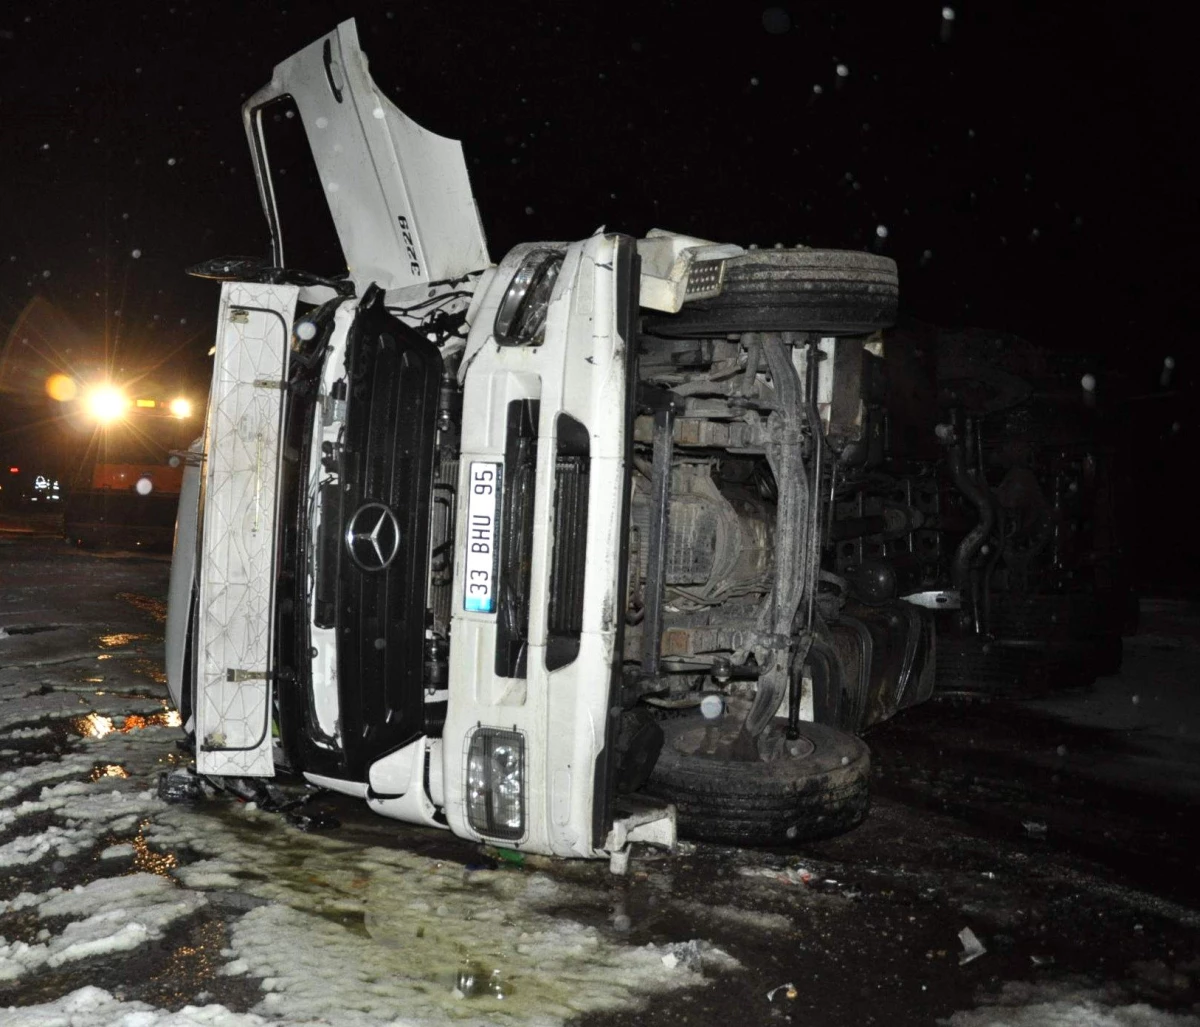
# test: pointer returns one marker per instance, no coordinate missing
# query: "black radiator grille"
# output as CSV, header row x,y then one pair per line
x,y
568,554
387,462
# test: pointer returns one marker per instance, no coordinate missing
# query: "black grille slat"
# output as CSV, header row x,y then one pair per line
x,y
441,543
325,574
568,555
516,537
571,480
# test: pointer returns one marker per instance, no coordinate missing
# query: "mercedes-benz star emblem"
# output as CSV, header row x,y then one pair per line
x,y
373,537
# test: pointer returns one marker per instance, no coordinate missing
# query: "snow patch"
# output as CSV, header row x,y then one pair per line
x,y
119,914
85,813
95,1007
12,782
362,937
1021,1004
28,732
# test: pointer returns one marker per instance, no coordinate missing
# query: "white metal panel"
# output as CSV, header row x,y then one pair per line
x,y
183,581
236,573
399,194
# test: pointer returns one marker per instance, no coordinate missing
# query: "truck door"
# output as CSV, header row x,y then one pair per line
x,y
239,508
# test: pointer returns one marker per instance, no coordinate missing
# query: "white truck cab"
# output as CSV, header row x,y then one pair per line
x,y
526,551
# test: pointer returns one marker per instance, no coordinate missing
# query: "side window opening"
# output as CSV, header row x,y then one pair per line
x,y
305,228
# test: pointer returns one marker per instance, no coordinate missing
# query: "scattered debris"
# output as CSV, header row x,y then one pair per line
x,y
972,946
785,875
687,954
788,989
512,856
313,821
180,785
1034,828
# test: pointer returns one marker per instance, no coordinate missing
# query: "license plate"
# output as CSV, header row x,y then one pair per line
x,y
483,512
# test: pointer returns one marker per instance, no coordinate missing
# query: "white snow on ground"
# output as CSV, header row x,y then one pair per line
x,y
774,923
1060,1005
13,782
119,914
87,809
360,937
94,1007
27,732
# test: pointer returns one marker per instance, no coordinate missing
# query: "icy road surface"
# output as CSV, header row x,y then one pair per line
x,y
116,908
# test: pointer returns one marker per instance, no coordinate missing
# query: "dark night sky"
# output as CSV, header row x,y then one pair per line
x,y
1026,160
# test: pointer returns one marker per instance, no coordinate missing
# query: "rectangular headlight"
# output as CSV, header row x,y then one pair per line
x,y
496,783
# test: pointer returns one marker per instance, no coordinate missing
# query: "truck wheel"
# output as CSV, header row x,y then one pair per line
x,y
845,292
819,791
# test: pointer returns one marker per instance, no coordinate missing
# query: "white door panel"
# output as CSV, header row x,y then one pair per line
x,y
237,573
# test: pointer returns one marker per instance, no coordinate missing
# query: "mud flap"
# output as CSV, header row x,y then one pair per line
x,y
236,569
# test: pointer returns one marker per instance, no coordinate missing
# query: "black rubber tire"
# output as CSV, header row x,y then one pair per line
x,y
780,802
844,292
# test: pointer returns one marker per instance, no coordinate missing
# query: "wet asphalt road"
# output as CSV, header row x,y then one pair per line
x,y
1064,843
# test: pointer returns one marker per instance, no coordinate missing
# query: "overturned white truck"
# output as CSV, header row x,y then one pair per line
x,y
529,551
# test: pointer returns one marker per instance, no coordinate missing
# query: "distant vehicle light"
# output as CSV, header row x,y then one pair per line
x,y
61,387
106,403
144,486
181,407
14,470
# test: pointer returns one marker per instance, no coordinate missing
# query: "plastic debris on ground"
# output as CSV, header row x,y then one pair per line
x,y
315,821
972,946
1034,828
783,875
181,785
789,991
510,856
686,954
